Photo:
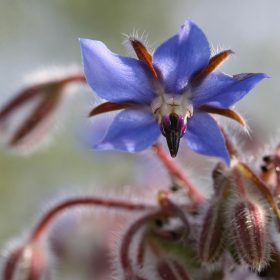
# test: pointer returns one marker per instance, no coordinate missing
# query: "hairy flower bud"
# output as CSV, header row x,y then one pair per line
x,y
27,118
210,243
248,228
211,238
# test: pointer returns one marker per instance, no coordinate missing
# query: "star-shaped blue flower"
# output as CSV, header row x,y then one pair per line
x,y
171,92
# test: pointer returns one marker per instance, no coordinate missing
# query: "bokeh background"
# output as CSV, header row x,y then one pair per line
x,y
39,34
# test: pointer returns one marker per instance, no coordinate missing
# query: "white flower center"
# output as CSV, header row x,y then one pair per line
x,y
166,104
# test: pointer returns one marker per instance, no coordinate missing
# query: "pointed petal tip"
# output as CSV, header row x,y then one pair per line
x,y
103,146
258,77
189,46
83,40
266,76
189,22
262,76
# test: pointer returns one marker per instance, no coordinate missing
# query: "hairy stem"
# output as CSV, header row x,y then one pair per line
x,y
175,171
11,262
127,240
94,201
40,229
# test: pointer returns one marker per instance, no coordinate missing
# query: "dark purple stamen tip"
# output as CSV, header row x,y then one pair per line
x,y
173,128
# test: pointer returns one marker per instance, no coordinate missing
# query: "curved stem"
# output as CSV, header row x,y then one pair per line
x,y
175,171
79,77
37,264
12,261
165,270
54,212
171,208
127,240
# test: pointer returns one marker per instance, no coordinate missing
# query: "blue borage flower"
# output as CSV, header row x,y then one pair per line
x,y
170,92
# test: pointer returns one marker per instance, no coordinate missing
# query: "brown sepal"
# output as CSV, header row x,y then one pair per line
x,y
213,64
143,54
226,112
109,107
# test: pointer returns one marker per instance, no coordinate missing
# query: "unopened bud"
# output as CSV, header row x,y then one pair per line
x,y
248,226
23,128
210,243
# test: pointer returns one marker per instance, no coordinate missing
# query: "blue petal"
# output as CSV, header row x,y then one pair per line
x,y
131,131
222,90
204,136
181,56
113,77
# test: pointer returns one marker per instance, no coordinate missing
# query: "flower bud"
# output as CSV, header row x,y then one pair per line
x,y
248,228
27,118
210,243
211,239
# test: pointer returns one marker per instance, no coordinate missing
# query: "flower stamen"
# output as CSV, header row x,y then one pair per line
x,y
172,112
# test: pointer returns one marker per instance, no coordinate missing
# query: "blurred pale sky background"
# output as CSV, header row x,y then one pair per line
x,y
36,34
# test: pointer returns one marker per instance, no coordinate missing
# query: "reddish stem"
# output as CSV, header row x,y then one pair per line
x,y
79,77
10,265
11,262
141,251
181,271
172,209
49,216
37,264
127,240
175,171
165,271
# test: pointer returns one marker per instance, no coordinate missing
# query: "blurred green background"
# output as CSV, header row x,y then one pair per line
x,y
36,34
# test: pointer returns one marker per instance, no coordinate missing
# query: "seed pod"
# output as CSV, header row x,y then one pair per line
x,y
248,228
